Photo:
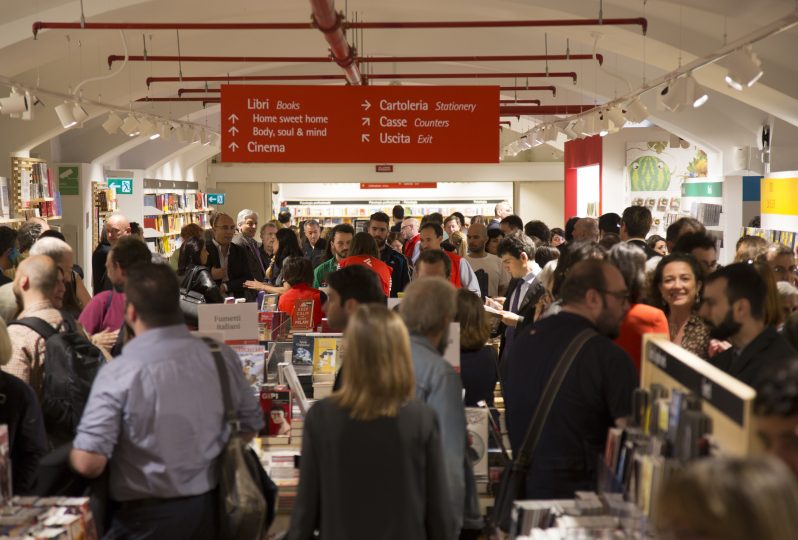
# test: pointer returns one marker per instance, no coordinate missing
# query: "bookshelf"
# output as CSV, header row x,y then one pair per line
x,y
32,191
104,204
168,206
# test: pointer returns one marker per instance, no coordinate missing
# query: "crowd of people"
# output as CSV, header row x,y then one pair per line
x,y
386,455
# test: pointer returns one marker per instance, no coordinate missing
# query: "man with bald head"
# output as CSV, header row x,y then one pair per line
x,y
481,261
116,226
34,283
586,230
411,239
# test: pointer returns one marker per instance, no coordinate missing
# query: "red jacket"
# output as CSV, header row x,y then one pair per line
x,y
410,247
640,319
301,291
454,277
382,270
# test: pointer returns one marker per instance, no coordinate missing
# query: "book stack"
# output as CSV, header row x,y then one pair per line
x,y
273,325
788,238
283,468
708,214
60,518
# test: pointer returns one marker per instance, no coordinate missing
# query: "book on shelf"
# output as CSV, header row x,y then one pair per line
x,y
5,202
277,406
253,363
273,325
302,319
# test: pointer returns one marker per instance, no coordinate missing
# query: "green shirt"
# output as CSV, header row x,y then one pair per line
x,y
322,271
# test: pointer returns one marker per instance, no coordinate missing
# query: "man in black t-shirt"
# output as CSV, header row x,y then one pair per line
x,y
595,394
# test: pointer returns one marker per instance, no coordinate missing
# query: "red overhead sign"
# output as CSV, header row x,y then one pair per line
x,y
360,124
400,185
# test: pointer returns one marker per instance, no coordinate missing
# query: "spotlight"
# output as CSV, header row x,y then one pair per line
x,y
524,143
590,124
146,127
167,130
64,112
156,131
635,111
570,132
112,124
745,68
674,96
578,127
698,93
603,124
79,113
130,126
549,133
15,103
615,115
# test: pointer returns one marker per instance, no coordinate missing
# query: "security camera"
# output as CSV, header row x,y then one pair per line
x,y
275,189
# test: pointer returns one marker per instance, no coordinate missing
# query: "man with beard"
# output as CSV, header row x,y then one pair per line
x,y
428,307
337,251
734,303
595,394
400,271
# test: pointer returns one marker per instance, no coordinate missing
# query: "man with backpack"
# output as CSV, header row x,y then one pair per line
x,y
34,283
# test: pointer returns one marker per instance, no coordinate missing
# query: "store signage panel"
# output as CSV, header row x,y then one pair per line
x,y
400,185
122,186
215,198
68,180
779,196
360,124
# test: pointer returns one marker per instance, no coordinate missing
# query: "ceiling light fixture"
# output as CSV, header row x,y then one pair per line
x,y
64,112
569,131
745,68
79,113
635,111
130,126
15,103
146,127
615,115
674,95
112,124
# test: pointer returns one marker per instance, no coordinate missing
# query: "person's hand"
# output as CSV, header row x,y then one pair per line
x,y
716,347
252,284
490,302
105,339
510,319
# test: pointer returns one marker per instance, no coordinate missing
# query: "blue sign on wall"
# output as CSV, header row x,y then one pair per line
x,y
215,198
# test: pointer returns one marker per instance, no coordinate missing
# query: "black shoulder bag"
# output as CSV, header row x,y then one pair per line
x,y
513,481
190,300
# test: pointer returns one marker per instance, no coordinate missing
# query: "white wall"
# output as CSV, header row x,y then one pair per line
x,y
542,200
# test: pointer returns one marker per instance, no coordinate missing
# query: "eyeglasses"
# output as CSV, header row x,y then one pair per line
x,y
225,227
623,295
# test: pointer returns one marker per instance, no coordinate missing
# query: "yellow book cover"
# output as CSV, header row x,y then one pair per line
x,y
325,355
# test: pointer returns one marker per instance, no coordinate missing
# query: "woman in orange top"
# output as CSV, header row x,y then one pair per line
x,y
641,318
298,275
363,251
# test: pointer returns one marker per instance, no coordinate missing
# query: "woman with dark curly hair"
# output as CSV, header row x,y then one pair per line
x,y
676,290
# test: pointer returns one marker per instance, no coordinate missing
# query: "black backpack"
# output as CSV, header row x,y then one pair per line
x,y
71,362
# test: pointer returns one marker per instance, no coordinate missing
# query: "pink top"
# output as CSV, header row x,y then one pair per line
x,y
95,317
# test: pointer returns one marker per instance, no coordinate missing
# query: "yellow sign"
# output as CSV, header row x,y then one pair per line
x,y
779,196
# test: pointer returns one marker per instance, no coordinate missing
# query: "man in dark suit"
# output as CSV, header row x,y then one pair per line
x,y
517,252
314,246
247,229
635,224
227,261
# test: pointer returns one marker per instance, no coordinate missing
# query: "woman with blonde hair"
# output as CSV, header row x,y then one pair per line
x,y
729,499
458,240
372,464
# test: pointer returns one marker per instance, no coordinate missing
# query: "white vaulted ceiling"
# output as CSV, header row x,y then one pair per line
x,y
678,30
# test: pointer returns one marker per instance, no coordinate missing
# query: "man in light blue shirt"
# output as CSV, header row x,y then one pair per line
x,y
155,417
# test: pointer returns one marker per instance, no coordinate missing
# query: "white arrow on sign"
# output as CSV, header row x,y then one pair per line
x,y
233,118
233,130
366,105
366,121
233,146
364,137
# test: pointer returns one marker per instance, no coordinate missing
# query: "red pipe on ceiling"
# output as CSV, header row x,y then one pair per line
x,y
41,25
243,78
326,19
361,60
553,89
503,110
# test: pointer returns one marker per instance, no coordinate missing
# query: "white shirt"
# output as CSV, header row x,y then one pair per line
x,y
468,279
222,259
492,265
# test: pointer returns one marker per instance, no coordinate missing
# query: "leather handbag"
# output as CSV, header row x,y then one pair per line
x,y
190,300
513,481
242,506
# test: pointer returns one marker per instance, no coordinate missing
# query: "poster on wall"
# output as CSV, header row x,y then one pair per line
x,y
672,183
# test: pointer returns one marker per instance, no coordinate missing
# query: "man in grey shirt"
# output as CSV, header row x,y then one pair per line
x,y
428,307
155,418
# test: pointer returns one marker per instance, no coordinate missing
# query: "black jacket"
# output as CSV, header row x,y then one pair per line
x,y
27,440
644,246
237,268
257,267
766,348
315,254
99,282
526,308
198,279
400,269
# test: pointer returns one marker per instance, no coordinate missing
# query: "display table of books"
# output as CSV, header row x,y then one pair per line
x,y
59,518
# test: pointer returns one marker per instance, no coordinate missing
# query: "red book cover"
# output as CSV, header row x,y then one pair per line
x,y
303,315
275,401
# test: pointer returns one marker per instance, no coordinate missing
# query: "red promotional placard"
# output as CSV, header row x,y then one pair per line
x,y
360,124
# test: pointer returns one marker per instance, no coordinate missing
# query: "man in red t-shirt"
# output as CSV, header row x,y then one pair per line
x,y
363,251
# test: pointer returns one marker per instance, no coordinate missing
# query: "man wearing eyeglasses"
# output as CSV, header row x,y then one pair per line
x,y
595,394
227,261
781,260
